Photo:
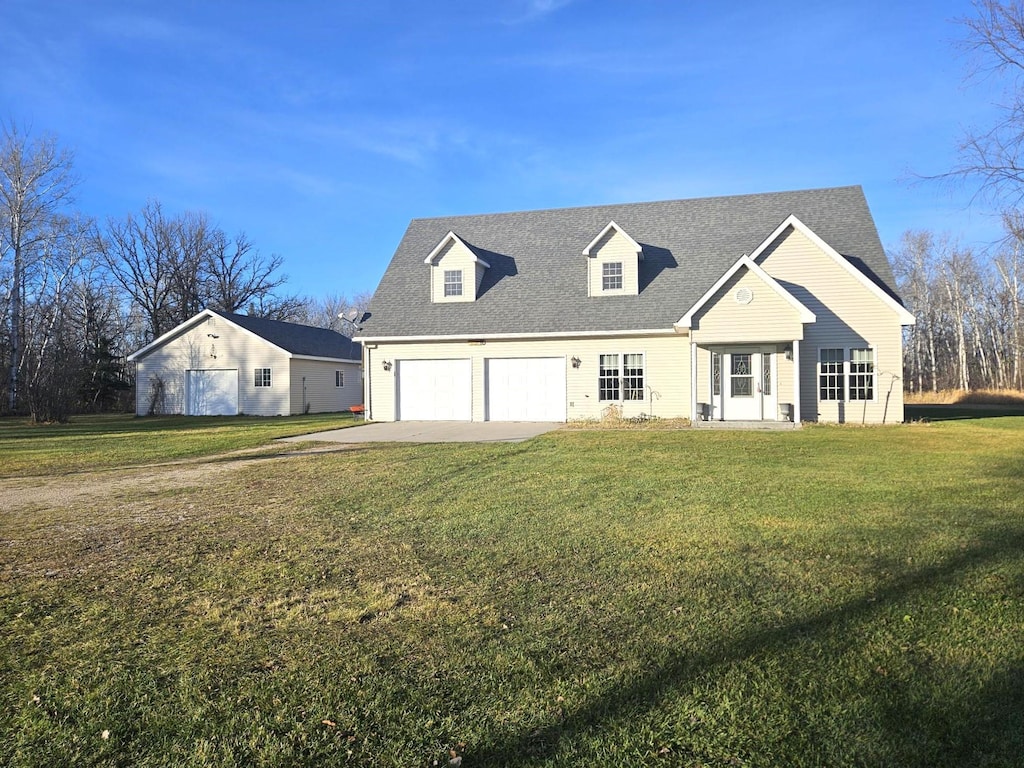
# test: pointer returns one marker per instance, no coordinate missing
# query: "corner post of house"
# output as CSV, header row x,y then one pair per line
x,y
796,381
694,416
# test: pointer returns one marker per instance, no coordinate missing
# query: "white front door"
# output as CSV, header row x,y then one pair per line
x,y
747,384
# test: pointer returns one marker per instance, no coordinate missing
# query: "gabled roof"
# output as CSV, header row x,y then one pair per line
x,y
612,225
451,237
295,339
536,283
806,316
906,318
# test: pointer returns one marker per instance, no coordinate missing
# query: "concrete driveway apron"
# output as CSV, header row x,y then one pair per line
x,y
433,432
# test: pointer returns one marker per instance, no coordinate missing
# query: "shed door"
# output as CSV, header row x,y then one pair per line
x,y
526,389
212,393
435,390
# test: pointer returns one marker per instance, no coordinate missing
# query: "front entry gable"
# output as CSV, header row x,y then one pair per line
x,y
746,305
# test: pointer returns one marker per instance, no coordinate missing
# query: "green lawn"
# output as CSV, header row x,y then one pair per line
x,y
828,596
111,441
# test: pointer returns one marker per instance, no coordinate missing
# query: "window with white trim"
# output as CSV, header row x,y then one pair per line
x,y
843,376
339,378
862,374
453,282
262,377
621,377
611,276
831,377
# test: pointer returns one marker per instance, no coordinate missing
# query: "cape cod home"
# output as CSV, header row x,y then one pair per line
x,y
222,364
765,307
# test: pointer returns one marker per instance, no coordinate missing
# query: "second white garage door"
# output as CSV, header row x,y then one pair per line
x,y
526,389
435,390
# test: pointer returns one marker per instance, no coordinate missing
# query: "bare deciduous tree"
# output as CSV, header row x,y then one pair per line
x,y
36,182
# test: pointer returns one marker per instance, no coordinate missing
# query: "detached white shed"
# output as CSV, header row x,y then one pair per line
x,y
221,364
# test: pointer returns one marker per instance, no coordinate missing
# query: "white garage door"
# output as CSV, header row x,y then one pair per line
x,y
435,390
526,389
212,393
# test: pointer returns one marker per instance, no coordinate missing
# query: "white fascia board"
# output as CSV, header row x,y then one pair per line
x,y
452,237
806,316
181,327
324,359
612,225
906,318
515,336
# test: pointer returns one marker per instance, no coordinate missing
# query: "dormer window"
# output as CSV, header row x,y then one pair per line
x,y
453,282
611,276
456,270
613,263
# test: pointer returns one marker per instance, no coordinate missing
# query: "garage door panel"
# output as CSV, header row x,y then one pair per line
x,y
526,389
435,390
212,392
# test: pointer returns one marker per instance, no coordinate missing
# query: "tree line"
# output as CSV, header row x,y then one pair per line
x,y
78,296
968,306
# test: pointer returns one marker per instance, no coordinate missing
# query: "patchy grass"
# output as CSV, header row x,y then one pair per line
x,y
689,598
118,440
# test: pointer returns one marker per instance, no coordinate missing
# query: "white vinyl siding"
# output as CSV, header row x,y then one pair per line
x,y
314,386
666,372
849,316
766,317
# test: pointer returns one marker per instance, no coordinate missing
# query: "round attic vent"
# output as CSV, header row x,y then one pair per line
x,y
744,296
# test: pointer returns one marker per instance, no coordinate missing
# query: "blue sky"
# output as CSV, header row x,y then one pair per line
x,y
321,128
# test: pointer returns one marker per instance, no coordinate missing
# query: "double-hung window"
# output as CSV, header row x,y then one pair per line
x,y
621,377
611,276
862,374
262,377
453,282
339,378
846,377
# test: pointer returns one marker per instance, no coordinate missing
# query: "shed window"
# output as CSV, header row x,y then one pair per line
x,y
611,276
339,378
262,377
453,282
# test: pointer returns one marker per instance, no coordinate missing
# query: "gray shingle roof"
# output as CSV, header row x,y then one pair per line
x,y
299,339
537,282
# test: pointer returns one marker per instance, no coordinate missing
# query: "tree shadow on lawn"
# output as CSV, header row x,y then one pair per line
x,y
987,729
959,412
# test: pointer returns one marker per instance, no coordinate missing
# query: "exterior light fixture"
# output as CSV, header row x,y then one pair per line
x,y
788,351
387,365
576,362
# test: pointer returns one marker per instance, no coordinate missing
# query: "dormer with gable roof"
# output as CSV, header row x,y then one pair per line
x,y
613,263
456,270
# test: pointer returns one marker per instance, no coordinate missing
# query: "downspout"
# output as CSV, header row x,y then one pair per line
x,y
367,389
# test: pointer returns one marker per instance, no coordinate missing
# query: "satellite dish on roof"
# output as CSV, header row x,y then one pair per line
x,y
351,315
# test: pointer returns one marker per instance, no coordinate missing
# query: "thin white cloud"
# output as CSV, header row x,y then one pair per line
x,y
533,10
